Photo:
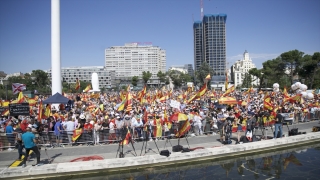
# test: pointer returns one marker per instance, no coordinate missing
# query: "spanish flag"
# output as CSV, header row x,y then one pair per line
x,y
76,134
128,88
5,112
267,104
88,88
297,98
32,102
77,84
228,91
122,104
20,98
208,78
185,128
47,113
285,93
129,102
126,139
40,111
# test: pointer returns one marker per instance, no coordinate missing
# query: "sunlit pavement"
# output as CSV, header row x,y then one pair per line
x,y
68,153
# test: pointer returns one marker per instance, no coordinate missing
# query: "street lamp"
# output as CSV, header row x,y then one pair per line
x,y
6,82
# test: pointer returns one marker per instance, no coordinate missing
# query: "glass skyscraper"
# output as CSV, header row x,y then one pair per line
x,y
210,44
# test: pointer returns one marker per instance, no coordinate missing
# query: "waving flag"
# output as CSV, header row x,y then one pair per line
x,y
40,111
285,93
77,84
185,128
21,98
129,102
47,113
208,78
17,87
200,93
126,139
228,91
88,88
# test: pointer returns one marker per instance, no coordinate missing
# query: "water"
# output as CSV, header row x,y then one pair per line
x,y
298,163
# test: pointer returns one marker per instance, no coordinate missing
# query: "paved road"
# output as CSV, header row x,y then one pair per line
x,y
59,155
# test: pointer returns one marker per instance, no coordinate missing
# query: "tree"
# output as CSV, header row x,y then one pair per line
x,y
134,80
290,61
309,68
258,74
146,76
247,81
202,73
161,76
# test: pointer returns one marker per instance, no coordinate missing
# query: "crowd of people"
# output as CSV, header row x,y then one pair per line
x,y
96,119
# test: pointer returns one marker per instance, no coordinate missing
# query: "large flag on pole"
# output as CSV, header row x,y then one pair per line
x,y
77,84
88,88
208,78
228,91
20,98
17,87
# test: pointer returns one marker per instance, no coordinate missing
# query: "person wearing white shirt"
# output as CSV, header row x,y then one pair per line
x,y
197,124
69,127
138,127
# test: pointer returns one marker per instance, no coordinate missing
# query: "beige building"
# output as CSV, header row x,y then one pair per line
x,y
240,68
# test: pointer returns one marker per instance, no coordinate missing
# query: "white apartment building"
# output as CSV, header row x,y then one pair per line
x,y
133,58
240,67
69,75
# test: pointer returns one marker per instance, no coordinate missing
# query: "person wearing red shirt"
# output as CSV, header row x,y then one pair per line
x,y
88,132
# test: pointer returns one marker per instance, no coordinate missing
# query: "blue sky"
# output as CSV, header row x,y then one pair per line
x,y
265,28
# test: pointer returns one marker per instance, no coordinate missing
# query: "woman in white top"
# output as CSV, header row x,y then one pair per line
x,y
96,132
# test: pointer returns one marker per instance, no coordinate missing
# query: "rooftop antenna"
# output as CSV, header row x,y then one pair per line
x,y
192,19
201,6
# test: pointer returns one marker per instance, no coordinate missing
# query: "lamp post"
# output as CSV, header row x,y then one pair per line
x,y
5,82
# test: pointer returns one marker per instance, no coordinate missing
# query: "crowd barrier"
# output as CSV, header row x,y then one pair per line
x,y
104,136
306,116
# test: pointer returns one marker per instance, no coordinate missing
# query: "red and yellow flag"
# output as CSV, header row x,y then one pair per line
x,y
5,112
76,134
32,102
297,98
228,91
127,138
285,93
77,84
47,113
208,78
21,98
129,102
88,88
40,111
185,128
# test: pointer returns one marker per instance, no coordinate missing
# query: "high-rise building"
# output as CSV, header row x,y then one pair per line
x,y
132,59
240,68
210,44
